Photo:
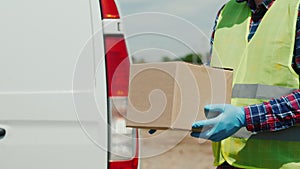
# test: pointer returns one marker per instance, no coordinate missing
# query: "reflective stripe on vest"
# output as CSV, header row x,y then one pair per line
x,y
259,91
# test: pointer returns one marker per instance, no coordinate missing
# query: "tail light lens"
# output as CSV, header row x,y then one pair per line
x,y
117,62
109,9
123,144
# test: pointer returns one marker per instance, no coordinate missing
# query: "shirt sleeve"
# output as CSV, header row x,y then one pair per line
x,y
276,114
213,33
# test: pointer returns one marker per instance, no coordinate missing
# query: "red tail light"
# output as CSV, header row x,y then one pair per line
x,y
117,65
129,164
123,145
126,164
123,142
109,9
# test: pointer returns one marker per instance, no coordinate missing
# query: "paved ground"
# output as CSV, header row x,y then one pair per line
x,y
190,153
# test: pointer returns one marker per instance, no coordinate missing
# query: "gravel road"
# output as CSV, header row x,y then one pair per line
x,y
185,153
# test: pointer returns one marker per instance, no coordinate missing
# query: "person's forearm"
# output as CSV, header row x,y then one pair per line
x,y
277,114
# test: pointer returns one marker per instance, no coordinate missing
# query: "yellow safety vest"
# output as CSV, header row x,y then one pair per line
x,y
262,70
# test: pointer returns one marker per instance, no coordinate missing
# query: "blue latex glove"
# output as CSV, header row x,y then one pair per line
x,y
229,121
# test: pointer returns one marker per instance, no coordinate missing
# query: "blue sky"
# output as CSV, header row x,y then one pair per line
x,y
170,28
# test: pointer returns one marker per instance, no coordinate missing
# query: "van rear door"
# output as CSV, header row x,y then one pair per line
x,y
40,45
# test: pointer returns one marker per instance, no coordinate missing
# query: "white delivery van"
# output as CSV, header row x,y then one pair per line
x,y
45,120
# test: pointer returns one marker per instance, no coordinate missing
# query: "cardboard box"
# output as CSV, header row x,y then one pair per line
x,y
172,95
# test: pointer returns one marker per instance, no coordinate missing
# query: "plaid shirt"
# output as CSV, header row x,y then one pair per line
x,y
279,113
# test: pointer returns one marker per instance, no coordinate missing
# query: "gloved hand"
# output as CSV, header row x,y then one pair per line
x,y
229,121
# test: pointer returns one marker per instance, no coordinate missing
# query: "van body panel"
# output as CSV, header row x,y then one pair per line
x,y
41,45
